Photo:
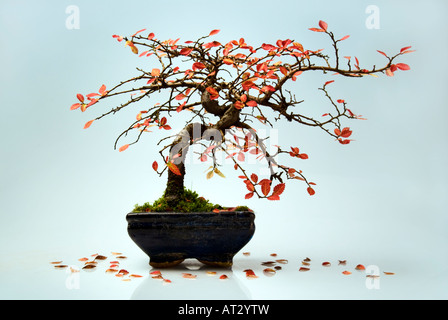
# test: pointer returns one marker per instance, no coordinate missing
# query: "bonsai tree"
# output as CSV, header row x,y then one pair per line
x,y
222,91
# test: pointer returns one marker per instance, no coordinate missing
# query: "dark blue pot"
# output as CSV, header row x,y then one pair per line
x,y
213,238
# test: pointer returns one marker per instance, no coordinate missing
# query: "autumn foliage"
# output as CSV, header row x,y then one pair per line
x,y
223,89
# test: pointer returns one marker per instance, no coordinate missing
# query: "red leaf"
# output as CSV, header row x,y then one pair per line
x,y
344,38
274,197
382,53
155,165
265,186
278,189
403,66
316,30
360,267
122,148
88,124
268,88
249,195
252,103
346,132
185,51
151,36
311,191
405,48
328,82
180,96
254,177
213,32
80,97
323,25
198,65
138,32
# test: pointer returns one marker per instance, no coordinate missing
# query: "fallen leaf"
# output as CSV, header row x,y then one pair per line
x,y
83,259
326,264
223,277
110,270
61,266
121,257
189,276
342,262
360,267
273,254
89,266
346,272
268,263
246,254
304,263
389,273
269,272
303,269
282,261
135,276
100,257
56,262
211,273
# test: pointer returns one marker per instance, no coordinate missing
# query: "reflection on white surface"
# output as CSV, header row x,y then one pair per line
x,y
206,285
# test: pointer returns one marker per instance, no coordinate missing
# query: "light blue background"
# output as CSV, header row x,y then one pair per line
x,y
381,199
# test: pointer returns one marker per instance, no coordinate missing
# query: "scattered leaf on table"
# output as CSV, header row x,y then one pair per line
x,y
282,261
389,273
56,262
156,272
100,257
211,273
269,272
303,269
342,262
61,266
326,264
189,276
121,257
223,277
135,275
268,263
304,263
278,268
110,270
346,272
307,259
250,273
246,254
273,254
89,266
83,259
360,267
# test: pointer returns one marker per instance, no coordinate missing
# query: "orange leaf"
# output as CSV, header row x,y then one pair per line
x,y
303,269
173,168
155,165
75,106
102,90
213,32
403,66
254,177
88,124
80,97
278,189
249,195
122,148
360,267
346,272
155,72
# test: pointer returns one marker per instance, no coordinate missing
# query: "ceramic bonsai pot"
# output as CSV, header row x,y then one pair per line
x,y
212,238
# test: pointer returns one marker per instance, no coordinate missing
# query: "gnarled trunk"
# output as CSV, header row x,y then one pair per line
x,y
193,133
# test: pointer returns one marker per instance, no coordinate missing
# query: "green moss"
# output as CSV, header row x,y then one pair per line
x,y
190,202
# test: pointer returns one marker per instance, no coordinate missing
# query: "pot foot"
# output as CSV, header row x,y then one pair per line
x,y
165,264
220,262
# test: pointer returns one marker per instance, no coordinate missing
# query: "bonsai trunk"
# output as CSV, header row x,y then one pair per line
x,y
193,133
